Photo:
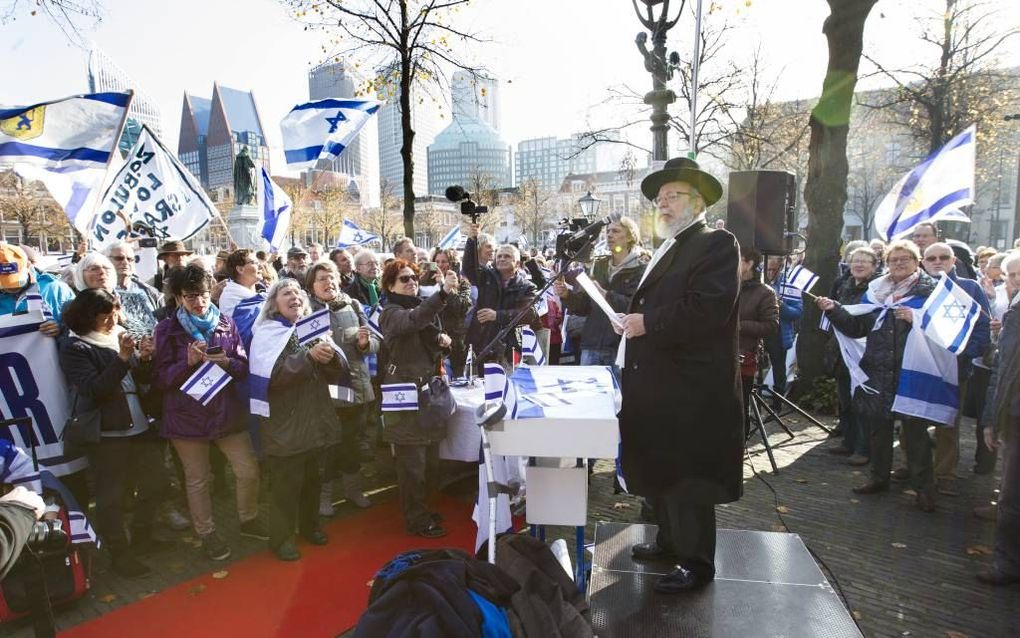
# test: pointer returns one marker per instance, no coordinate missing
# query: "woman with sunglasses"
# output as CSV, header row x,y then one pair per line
x,y
417,345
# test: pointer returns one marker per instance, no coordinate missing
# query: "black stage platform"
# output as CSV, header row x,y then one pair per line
x,y
766,584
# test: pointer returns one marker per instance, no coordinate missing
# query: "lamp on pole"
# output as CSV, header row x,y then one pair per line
x,y
662,71
589,206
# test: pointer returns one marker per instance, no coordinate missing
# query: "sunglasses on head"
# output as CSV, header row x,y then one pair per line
x,y
406,278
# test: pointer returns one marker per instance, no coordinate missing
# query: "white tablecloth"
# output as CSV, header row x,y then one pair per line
x,y
463,440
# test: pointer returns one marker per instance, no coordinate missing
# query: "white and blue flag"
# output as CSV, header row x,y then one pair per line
x,y
67,144
372,314
269,338
206,382
313,326
276,207
801,278
352,235
398,397
453,239
949,315
933,190
530,347
238,303
321,130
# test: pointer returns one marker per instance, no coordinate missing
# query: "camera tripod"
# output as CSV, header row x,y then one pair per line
x,y
758,404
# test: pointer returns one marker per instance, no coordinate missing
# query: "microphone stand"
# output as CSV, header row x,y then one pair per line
x,y
563,261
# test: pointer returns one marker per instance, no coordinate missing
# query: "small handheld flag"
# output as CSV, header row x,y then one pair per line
x,y
398,397
949,315
351,235
206,382
312,327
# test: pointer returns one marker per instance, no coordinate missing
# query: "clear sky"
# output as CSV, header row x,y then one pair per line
x,y
556,58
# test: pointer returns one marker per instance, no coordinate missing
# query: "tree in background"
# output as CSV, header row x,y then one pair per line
x,y
531,210
826,189
27,203
384,221
70,16
407,43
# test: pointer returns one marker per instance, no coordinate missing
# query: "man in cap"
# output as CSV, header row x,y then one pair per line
x,y
681,422
23,288
172,253
297,264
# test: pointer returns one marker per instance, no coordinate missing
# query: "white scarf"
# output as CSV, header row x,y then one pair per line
x,y
98,339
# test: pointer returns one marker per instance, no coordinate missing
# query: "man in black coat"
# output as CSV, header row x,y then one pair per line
x,y
681,424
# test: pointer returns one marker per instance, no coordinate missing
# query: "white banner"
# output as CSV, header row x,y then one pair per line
x,y
152,188
32,384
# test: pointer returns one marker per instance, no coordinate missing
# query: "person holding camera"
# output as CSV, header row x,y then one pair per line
x,y
196,334
418,344
457,306
109,369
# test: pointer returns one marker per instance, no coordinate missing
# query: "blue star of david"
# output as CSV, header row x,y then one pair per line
x,y
315,323
335,121
400,397
206,382
357,235
566,385
955,311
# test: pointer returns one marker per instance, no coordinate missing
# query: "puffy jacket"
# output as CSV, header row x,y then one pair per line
x,y
96,373
883,352
53,291
183,416
759,314
598,333
301,414
507,300
345,318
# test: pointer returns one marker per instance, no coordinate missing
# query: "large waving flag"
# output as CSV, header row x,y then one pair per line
x,y
932,191
321,130
351,235
66,144
276,206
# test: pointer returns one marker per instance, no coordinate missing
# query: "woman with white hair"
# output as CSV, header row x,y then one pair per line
x,y
94,270
290,392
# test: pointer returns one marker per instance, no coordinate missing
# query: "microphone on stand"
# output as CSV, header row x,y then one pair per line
x,y
581,237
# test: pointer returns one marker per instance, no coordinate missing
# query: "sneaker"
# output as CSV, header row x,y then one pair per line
x,y
214,548
127,565
326,500
254,529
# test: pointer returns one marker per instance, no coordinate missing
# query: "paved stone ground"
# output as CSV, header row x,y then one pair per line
x,y
903,572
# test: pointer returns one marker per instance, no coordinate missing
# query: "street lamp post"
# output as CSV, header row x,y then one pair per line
x,y
659,98
589,206
1016,210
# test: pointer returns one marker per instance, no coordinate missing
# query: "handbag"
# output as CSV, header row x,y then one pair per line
x,y
435,404
82,428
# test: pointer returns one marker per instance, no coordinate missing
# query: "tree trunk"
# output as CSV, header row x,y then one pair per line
x,y
407,132
826,187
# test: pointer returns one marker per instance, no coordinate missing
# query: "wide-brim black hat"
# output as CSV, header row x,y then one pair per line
x,y
682,169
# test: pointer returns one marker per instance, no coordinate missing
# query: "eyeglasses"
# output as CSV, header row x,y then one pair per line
x,y
406,278
120,258
95,269
192,296
669,197
934,258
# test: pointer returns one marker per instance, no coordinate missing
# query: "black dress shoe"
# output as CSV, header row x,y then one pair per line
x,y
680,580
287,551
871,487
651,552
995,578
316,537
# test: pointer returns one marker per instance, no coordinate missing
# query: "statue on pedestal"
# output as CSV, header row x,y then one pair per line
x,y
244,179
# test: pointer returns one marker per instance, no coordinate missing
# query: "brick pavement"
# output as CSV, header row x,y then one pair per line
x,y
925,587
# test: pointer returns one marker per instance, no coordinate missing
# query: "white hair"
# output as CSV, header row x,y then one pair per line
x,y
269,310
124,245
89,260
1011,258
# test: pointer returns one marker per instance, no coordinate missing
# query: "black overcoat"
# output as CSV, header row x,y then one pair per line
x,y
681,423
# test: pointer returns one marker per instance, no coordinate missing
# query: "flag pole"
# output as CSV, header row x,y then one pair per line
x,y
106,171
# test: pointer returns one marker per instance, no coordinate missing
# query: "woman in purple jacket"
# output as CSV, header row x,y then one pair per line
x,y
195,335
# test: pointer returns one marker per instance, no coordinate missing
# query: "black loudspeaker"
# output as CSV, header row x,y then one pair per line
x,y
760,210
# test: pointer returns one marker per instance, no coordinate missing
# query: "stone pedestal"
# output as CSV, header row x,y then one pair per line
x,y
243,223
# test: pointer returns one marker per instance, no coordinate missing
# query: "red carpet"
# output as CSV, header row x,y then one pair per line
x,y
323,594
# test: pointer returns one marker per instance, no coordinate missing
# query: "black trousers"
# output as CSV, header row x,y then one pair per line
x,y
917,447
294,487
122,467
458,356
345,456
687,531
417,477
1007,528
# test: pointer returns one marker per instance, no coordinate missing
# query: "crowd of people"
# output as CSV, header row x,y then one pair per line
x,y
307,415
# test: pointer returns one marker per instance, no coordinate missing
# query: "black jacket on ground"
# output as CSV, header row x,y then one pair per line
x,y
424,594
883,352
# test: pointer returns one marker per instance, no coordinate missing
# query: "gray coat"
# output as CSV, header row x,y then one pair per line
x,y
1003,398
301,414
346,317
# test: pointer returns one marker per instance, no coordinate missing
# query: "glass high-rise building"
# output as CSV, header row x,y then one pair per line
x,y
548,160
106,76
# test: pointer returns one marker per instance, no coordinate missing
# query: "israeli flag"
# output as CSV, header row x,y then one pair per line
x,y
452,239
498,388
351,235
239,304
399,397
372,315
469,362
312,327
949,315
530,346
269,338
67,144
276,207
932,191
16,468
801,279
206,382
321,130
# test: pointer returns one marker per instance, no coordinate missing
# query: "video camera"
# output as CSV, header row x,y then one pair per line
x,y
457,194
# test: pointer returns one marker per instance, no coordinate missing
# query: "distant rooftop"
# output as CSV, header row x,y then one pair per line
x,y
240,108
